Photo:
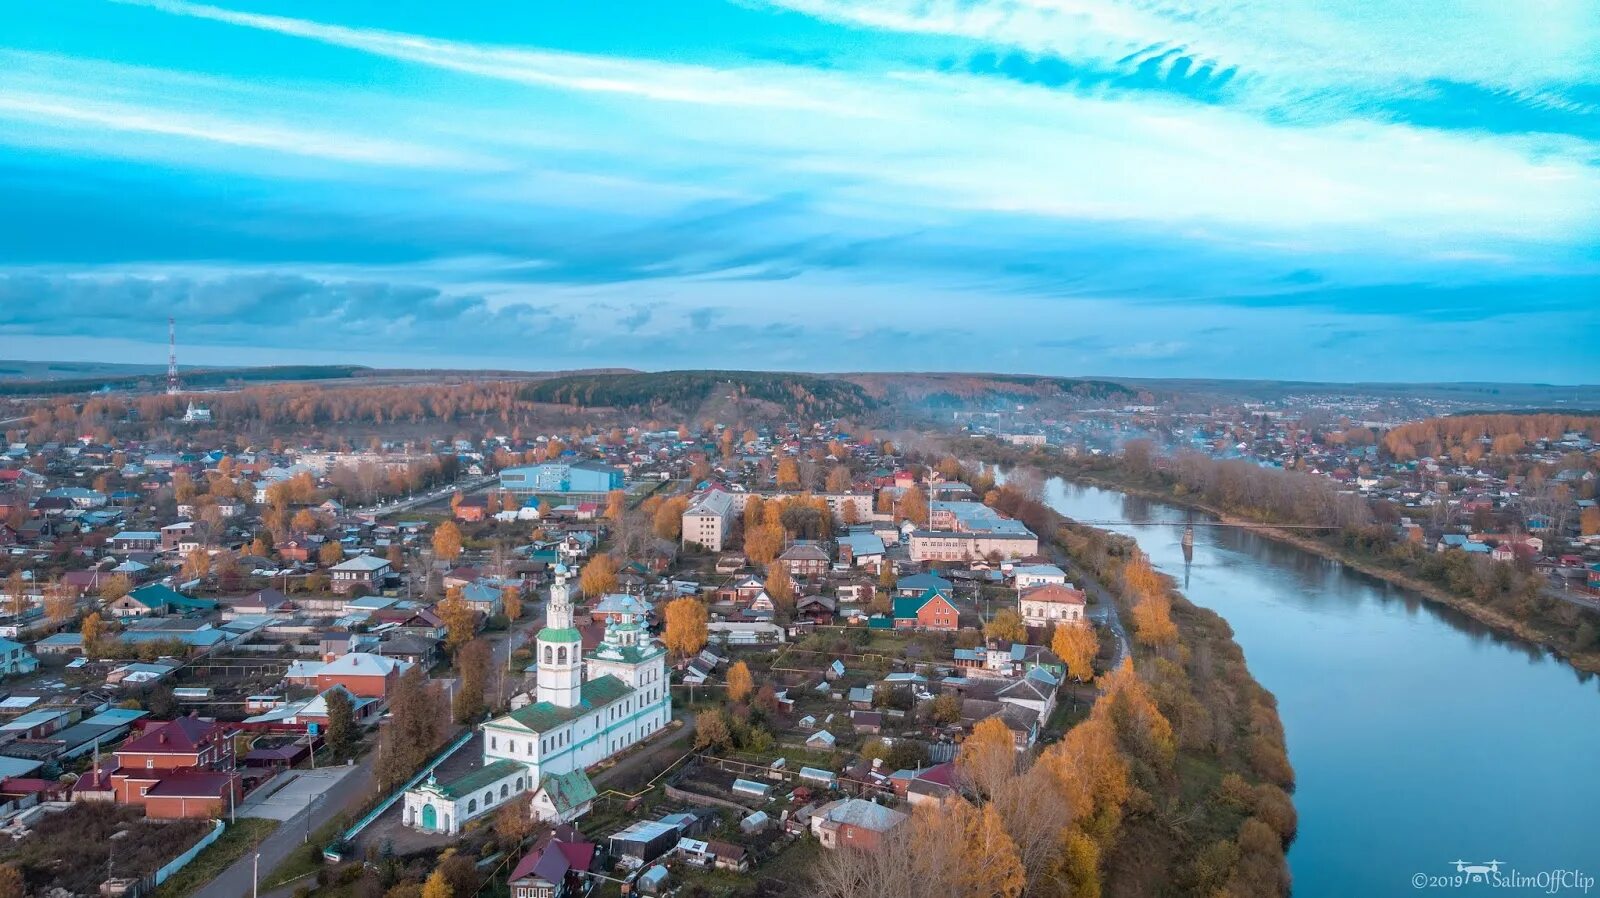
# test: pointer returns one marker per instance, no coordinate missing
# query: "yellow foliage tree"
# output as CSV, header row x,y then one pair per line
x,y
668,522
437,886
447,541
616,503
991,866
1589,520
1140,580
685,632
1152,621
914,507
196,564
1077,646
788,474
599,576
511,602
331,553
988,757
740,683
92,631
764,543
459,621
1006,624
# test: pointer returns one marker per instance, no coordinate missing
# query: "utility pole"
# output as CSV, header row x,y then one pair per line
x,y
255,874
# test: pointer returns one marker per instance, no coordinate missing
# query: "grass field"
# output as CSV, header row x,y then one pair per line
x,y
240,836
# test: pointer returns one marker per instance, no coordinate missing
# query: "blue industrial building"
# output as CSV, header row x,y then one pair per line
x,y
562,477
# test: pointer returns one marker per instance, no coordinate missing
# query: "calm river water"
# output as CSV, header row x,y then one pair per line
x,y
1418,738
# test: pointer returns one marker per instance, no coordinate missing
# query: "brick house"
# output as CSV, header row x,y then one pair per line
x,y
930,611
167,747
195,794
366,675
805,560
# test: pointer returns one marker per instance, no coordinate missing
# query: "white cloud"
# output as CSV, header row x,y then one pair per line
x,y
1282,48
544,68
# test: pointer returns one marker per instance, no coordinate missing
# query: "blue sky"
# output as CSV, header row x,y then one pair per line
x,y
1298,189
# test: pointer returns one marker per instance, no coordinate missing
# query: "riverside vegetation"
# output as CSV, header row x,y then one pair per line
x,y
1507,597
1177,782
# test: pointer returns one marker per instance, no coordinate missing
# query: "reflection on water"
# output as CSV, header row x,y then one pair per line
x,y
1418,735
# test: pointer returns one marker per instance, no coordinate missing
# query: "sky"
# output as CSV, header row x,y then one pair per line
x,y
1290,189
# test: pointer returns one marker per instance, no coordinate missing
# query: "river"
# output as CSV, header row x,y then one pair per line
x,y
1418,737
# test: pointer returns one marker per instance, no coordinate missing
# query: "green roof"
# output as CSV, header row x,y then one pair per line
x,y
481,778
568,790
543,716
632,654
564,634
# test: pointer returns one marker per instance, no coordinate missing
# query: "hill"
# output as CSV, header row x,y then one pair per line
x,y
687,391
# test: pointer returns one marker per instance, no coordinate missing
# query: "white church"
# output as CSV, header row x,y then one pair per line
x,y
584,709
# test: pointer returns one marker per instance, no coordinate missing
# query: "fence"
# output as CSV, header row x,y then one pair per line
x,y
395,796
182,860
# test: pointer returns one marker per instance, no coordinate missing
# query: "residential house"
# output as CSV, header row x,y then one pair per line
x,y
930,611
363,572
854,822
804,560
1051,604
362,673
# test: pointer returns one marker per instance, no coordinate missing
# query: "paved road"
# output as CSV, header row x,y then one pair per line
x,y
465,486
1105,610
347,794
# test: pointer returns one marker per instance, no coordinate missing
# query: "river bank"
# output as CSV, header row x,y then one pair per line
x,y
1588,662
1413,729
1217,748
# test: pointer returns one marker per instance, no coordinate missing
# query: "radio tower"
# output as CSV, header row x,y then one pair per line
x,y
172,358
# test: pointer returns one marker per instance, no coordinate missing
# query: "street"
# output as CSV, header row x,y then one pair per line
x,y
345,795
429,497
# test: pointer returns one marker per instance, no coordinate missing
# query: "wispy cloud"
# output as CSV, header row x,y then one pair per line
x,y
571,71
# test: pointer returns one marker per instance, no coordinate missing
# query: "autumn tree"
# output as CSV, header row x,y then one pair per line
x,y
331,553
447,541
764,543
92,631
788,475
711,730
115,587
473,664
946,708
11,884
685,632
740,683
988,757
599,576
1006,624
511,603
1152,621
16,593
197,564
668,522
59,602
780,588
460,621
1589,520
437,886
306,521
914,507
838,479
1077,646
616,504
341,739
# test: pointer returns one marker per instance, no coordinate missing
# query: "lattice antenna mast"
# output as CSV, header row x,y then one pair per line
x,y
172,358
